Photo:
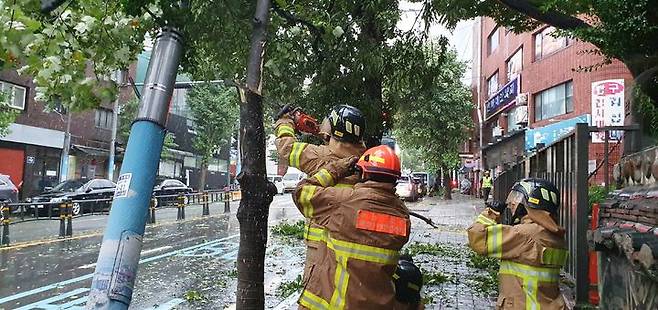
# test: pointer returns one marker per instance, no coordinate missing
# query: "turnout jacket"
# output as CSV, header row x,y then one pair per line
x,y
309,159
532,254
361,231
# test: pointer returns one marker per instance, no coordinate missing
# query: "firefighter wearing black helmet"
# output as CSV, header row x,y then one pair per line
x,y
532,250
343,130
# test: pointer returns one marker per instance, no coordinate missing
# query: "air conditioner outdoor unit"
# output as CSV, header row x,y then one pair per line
x,y
522,99
497,131
521,114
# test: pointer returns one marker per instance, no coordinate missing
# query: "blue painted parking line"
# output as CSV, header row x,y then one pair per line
x,y
90,275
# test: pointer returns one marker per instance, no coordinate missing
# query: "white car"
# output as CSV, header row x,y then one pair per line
x,y
291,179
278,182
406,189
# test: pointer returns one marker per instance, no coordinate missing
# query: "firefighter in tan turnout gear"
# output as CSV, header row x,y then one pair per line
x,y
532,250
343,136
360,231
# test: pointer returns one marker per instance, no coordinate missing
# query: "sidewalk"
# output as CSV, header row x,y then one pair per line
x,y
455,278
452,279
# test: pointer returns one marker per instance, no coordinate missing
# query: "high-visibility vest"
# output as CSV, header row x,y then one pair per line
x,y
487,182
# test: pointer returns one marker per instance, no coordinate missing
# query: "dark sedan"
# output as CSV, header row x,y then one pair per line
x,y
76,190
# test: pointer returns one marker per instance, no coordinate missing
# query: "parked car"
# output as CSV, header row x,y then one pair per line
x,y
291,179
168,188
8,191
422,186
278,182
406,189
79,189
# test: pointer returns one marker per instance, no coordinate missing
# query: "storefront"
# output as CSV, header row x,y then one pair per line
x,y
31,156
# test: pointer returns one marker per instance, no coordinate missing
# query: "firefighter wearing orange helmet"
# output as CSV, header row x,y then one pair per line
x,y
361,231
343,131
532,249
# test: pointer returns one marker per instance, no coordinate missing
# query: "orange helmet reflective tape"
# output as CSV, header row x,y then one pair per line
x,y
380,160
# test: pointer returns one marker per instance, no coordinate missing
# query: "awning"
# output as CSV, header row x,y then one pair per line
x,y
92,151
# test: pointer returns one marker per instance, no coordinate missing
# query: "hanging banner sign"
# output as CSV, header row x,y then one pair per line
x,y
608,108
504,98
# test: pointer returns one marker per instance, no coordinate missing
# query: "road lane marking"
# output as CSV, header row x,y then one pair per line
x,y
90,275
167,247
87,266
49,302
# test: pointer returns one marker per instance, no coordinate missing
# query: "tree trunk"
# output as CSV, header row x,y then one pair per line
x,y
447,187
254,206
204,175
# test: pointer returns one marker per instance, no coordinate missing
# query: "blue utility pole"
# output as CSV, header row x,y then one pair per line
x,y
116,267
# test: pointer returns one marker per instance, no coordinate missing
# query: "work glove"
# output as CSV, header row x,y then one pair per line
x,y
284,111
497,206
345,167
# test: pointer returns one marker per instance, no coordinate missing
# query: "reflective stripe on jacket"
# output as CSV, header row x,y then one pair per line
x,y
310,159
362,231
531,258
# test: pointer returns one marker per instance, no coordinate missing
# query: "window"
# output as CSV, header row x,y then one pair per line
x,y
515,64
493,40
492,85
554,101
104,118
15,93
546,43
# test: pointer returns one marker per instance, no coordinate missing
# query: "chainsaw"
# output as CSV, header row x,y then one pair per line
x,y
303,122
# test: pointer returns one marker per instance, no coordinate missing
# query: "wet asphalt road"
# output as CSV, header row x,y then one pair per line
x,y
176,257
45,228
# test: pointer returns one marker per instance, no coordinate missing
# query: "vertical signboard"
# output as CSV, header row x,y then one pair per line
x,y
607,107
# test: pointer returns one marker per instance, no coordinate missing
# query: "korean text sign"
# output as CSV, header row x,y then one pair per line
x,y
608,107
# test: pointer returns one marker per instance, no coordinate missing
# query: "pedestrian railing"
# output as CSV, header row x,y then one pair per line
x,y
65,211
565,163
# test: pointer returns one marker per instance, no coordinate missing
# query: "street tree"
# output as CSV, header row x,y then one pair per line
x,y
7,114
215,112
437,120
619,29
349,53
320,53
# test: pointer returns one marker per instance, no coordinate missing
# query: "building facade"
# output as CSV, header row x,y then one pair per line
x,y
529,92
31,154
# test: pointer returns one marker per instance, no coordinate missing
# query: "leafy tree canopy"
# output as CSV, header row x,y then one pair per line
x,y
435,122
215,113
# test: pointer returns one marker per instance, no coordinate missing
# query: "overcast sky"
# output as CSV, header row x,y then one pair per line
x,y
461,39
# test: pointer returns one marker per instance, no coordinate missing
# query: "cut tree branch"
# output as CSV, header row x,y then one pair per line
x,y
553,18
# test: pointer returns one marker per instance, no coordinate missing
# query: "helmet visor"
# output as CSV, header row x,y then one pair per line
x,y
514,199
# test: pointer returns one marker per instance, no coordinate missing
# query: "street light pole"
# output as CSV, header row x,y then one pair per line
x,y
64,162
113,142
118,258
